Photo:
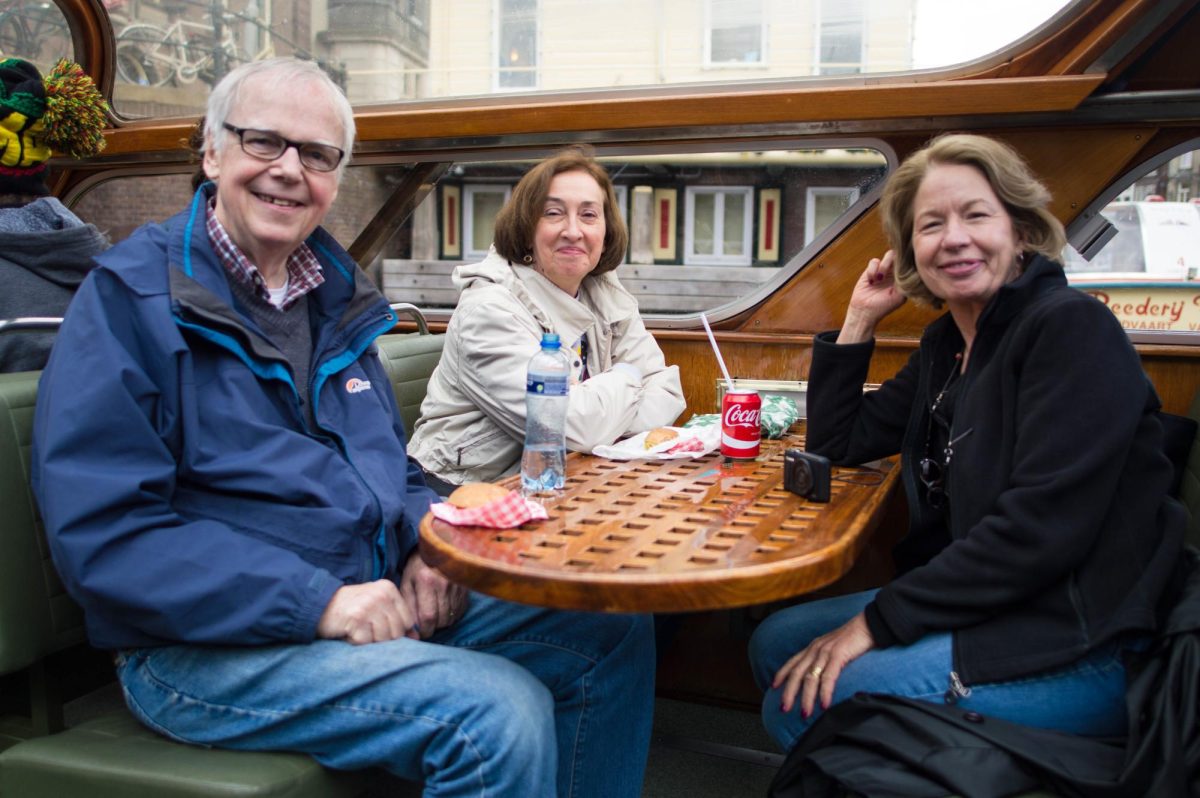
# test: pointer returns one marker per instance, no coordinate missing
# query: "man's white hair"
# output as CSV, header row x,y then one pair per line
x,y
274,74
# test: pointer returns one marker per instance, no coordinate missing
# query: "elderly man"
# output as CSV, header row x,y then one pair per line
x,y
222,472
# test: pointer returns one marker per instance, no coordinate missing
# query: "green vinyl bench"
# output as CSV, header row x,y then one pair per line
x,y
410,359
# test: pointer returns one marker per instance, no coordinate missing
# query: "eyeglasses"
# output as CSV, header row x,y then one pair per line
x,y
267,145
933,473
933,478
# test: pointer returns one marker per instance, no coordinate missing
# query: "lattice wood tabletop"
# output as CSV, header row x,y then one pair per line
x,y
670,535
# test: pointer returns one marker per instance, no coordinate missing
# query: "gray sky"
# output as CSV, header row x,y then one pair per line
x,y
951,31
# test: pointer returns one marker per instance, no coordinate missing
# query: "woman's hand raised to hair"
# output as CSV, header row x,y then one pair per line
x,y
875,296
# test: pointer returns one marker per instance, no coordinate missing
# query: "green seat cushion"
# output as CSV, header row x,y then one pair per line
x,y
116,757
410,360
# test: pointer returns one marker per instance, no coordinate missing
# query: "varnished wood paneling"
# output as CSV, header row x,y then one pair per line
x,y
1174,370
626,112
1075,166
1077,44
1169,62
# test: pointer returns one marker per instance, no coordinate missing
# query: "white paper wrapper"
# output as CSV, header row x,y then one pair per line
x,y
692,442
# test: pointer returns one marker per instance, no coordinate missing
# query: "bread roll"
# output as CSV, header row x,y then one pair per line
x,y
476,494
659,435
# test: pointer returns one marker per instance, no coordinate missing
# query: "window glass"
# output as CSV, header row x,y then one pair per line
x,y
169,52
703,215
35,30
705,228
481,206
119,206
516,50
825,204
840,38
1147,272
938,28
734,227
735,32
716,226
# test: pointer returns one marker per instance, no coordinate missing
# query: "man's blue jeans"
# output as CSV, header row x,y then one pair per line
x,y
511,701
1086,697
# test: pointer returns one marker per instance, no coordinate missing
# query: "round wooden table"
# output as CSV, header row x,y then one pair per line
x,y
669,536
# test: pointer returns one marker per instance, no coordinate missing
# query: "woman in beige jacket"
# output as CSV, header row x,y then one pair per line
x,y
557,242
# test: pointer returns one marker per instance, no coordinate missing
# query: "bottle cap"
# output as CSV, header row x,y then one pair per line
x,y
550,340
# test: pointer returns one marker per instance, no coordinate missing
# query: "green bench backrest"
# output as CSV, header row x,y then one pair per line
x,y
410,359
37,617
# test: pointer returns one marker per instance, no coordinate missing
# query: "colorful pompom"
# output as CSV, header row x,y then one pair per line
x,y
75,115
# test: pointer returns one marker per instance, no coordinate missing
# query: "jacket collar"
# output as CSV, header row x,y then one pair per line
x,y
608,303
199,285
1040,276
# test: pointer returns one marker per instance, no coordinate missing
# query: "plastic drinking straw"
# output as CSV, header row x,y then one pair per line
x,y
720,360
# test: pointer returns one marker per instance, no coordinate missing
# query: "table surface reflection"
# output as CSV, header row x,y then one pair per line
x,y
670,535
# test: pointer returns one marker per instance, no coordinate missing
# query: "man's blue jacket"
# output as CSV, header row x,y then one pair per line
x,y
185,497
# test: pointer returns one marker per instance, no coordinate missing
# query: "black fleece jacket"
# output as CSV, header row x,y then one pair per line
x,y
1061,530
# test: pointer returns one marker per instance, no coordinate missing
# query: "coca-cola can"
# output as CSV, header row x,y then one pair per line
x,y
741,430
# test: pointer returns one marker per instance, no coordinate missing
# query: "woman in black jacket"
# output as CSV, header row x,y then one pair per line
x,y
1041,531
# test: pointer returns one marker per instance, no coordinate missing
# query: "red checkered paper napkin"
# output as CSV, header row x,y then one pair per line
x,y
504,513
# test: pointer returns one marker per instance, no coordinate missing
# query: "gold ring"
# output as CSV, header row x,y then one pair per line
x,y
816,672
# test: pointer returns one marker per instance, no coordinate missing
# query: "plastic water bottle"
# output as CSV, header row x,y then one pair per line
x,y
544,461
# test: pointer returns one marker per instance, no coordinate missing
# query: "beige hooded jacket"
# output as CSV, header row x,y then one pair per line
x,y
472,423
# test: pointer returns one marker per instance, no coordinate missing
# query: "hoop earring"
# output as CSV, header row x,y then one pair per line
x,y
528,259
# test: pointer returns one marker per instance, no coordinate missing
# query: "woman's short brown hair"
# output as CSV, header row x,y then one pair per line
x,y
518,219
1022,195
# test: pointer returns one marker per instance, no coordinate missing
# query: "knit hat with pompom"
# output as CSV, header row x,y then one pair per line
x,y
63,113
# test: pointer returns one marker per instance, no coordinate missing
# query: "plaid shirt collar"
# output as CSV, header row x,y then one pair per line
x,y
304,270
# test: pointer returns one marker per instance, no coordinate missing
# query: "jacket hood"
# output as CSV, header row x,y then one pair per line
x,y
48,240
609,301
493,269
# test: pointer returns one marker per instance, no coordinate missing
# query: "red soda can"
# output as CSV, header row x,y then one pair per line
x,y
741,429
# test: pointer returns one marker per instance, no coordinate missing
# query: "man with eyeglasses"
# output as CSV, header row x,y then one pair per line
x,y
222,471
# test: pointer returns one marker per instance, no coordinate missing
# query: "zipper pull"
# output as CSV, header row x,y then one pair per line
x,y
956,690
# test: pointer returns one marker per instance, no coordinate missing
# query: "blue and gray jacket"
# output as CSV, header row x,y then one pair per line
x,y
185,497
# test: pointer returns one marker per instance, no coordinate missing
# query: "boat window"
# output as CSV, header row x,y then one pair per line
x,y
119,205
35,30
169,52
1144,255
707,229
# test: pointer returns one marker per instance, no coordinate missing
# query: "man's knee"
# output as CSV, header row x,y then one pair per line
x,y
508,726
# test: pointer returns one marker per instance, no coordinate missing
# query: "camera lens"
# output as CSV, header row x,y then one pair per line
x,y
804,479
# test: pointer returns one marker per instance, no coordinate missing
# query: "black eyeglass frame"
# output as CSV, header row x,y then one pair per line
x,y
301,147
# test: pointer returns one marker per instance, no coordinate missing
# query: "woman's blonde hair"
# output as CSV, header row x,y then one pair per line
x,y
1023,196
518,219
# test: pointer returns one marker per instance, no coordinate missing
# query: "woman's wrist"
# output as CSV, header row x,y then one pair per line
x,y
857,329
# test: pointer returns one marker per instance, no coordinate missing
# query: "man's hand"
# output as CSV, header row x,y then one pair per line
x,y
432,599
367,613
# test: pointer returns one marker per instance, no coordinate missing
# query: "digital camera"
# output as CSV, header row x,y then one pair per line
x,y
806,475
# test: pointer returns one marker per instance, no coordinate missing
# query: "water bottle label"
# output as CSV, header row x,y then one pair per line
x,y
553,388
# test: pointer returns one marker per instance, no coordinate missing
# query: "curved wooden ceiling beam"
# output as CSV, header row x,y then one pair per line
x,y
553,115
